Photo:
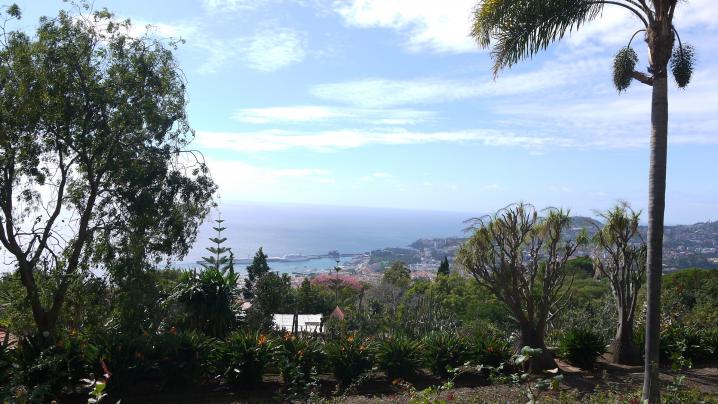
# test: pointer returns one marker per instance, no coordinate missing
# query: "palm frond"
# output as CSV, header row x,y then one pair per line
x,y
521,28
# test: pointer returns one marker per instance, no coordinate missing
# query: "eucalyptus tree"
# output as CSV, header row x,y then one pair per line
x,y
94,157
518,29
620,256
521,258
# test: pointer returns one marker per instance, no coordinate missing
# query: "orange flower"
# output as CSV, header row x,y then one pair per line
x,y
173,331
350,338
396,381
262,340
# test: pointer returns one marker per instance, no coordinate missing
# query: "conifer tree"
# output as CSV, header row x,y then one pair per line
x,y
221,257
444,267
256,270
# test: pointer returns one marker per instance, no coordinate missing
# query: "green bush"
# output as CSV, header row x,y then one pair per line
x,y
443,350
299,359
180,357
491,350
243,357
399,357
44,373
349,358
581,347
206,300
127,359
683,345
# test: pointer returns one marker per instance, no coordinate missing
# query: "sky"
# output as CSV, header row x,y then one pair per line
x,y
390,103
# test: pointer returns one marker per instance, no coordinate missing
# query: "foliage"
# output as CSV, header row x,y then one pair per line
x,y
349,358
582,347
255,271
299,359
521,258
399,356
444,267
116,165
274,294
621,258
207,300
42,373
623,66
398,275
181,357
520,29
682,64
221,257
243,357
490,349
88,304
445,351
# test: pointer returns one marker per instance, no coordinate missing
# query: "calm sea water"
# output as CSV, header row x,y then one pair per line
x,y
309,230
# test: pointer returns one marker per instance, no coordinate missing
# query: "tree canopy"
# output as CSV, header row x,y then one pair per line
x,y
94,159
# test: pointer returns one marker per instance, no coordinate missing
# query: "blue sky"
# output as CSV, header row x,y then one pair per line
x,y
389,103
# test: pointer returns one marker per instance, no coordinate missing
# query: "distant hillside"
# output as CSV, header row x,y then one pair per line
x,y
685,246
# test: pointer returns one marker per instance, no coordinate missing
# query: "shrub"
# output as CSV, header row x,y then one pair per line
x,y
244,356
206,299
43,372
682,345
399,357
581,347
491,350
180,357
443,351
125,358
349,358
299,358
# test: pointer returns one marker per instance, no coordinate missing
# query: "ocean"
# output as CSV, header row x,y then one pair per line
x,y
314,230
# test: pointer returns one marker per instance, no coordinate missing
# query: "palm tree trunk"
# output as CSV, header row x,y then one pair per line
x,y
656,208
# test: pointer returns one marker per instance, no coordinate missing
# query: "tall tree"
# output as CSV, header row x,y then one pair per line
x,y
221,257
94,161
255,270
517,30
398,275
521,258
621,257
444,267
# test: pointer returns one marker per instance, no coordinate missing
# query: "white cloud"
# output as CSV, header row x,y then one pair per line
x,y
378,93
273,49
430,25
326,141
314,114
232,5
380,175
237,177
268,50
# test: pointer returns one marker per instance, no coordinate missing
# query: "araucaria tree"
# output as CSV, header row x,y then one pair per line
x,y
221,258
93,153
521,258
518,29
620,256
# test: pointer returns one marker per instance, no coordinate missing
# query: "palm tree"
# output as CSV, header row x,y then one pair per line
x,y
518,29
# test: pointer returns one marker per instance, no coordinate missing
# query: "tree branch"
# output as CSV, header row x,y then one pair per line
x,y
643,78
